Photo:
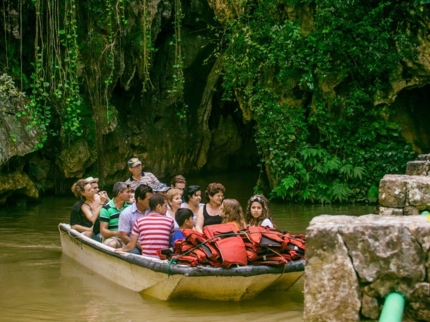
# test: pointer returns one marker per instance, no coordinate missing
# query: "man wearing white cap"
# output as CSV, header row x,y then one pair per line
x,y
138,176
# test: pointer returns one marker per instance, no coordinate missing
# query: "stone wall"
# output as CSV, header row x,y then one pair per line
x,y
353,263
409,194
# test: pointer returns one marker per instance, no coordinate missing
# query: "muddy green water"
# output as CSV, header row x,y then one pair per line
x,y
38,283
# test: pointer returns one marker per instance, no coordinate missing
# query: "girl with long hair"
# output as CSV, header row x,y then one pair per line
x,y
231,212
257,212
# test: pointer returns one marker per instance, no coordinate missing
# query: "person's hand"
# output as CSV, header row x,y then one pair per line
x,y
103,197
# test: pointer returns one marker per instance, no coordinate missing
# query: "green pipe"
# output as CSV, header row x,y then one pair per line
x,y
393,308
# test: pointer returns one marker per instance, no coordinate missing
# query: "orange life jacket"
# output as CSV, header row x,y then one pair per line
x,y
230,245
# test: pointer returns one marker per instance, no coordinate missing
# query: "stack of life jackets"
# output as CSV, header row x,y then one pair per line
x,y
223,246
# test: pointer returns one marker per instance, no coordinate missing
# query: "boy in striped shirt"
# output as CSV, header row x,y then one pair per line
x,y
153,230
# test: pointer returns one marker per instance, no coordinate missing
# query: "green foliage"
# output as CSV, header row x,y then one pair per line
x,y
321,145
55,84
177,90
148,47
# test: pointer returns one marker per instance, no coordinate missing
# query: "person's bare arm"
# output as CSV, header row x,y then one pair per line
x,y
81,228
124,237
93,213
129,246
106,233
200,220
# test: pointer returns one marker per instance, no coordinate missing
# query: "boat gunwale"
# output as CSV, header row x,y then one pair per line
x,y
163,266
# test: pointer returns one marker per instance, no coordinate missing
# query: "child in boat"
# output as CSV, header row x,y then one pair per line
x,y
231,212
184,219
152,231
132,197
257,212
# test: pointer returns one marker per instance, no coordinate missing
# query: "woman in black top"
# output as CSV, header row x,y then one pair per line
x,y
83,217
209,213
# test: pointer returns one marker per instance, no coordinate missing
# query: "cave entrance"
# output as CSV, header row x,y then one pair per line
x,y
233,145
412,113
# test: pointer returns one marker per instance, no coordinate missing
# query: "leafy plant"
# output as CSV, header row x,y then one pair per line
x,y
311,86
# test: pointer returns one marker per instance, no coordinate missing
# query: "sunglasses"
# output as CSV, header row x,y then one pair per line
x,y
255,198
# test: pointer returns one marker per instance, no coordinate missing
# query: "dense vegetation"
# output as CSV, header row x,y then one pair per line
x,y
312,86
309,72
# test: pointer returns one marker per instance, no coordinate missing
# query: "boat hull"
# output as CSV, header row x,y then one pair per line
x,y
155,277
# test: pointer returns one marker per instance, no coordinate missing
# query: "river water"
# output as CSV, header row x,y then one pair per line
x,y
38,283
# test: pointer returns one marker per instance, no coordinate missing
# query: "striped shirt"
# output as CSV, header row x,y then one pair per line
x,y
110,215
147,178
153,231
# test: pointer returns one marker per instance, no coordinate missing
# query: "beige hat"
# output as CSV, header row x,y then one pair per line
x,y
91,180
133,162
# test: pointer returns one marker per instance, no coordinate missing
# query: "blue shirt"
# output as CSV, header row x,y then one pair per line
x,y
177,235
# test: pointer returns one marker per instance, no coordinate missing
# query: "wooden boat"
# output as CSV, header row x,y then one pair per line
x,y
165,281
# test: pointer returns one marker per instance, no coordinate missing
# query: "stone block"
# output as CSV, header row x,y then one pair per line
x,y
410,211
392,191
381,244
425,157
370,308
354,262
418,168
329,277
384,211
418,192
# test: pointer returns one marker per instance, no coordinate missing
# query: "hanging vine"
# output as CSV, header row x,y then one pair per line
x,y
55,84
147,47
177,90
40,109
72,99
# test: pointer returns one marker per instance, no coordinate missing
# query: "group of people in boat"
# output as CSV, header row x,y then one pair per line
x,y
145,215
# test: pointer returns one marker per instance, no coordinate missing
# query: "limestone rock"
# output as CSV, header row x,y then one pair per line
x,y
379,244
16,185
420,302
396,191
424,157
226,10
419,192
329,276
384,211
74,160
392,191
370,307
16,139
417,168
384,253
410,211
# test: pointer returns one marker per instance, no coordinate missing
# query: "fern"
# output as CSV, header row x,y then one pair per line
x,y
340,191
358,172
333,164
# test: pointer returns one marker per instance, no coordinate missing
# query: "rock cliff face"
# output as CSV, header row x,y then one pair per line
x,y
142,116
143,119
